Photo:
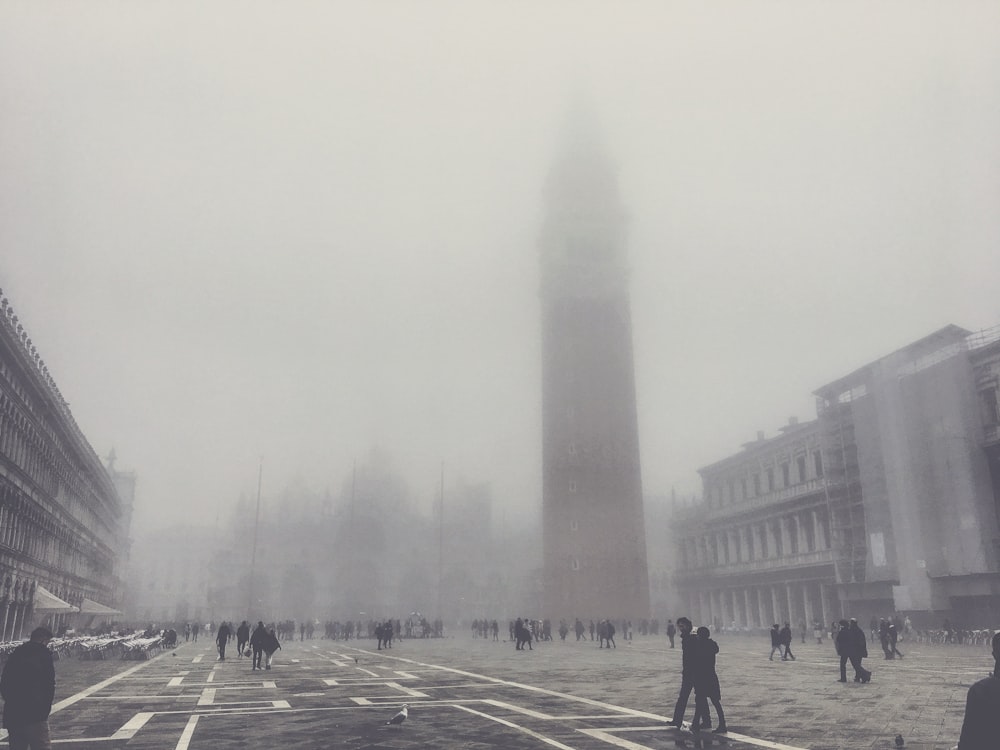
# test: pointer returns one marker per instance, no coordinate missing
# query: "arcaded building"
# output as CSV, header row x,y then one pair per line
x,y
63,523
593,528
886,503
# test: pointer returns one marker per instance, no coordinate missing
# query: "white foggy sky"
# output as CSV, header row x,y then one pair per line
x,y
299,230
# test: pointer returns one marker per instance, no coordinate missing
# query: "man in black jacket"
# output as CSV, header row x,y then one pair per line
x,y
688,665
28,685
981,725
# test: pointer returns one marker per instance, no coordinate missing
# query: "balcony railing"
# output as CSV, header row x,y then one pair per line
x,y
785,562
739,507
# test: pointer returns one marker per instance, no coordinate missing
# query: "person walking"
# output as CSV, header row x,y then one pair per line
x,y
28,685
257,644
270,645
785,638
221,639
981,725
671,632
893,640
242,637
688,658
852,646
775,641
706,684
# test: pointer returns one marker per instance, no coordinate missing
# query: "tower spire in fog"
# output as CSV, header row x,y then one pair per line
x,y
593,530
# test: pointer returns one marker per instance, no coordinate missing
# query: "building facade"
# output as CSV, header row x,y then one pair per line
x,y
594,545
63,524
886,503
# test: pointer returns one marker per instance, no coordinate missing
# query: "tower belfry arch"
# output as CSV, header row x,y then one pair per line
x,y
593,527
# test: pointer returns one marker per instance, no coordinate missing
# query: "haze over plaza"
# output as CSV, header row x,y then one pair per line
x,y
238,231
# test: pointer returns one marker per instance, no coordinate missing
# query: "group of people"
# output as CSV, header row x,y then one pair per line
x,y
781,642
263,641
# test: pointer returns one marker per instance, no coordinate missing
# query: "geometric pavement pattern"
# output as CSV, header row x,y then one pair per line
x,y
471,693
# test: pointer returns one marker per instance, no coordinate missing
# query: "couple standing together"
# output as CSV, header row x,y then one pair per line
x,y
698,674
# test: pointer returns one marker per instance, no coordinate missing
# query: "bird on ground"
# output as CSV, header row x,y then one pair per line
x,y
899,740
401,716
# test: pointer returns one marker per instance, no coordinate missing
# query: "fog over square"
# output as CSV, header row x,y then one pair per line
x,y
302,231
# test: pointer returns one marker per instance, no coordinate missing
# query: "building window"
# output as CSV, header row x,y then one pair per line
x,y
770,480
801,463
818,460
574,564
756,484
785,474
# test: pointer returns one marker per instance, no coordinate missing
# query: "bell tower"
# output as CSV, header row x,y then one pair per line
x,y
593,526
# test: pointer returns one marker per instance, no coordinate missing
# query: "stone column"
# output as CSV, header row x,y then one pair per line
x,y
800,523
807,604
775,604
818,541
704,610
737,615
748,608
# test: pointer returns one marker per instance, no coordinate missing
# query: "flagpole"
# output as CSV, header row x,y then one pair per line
x,y
253,556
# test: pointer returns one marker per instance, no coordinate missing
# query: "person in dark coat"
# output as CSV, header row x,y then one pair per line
x,y
852,645
222,638
688,659
706,683
981,725
271,645
671,632
775,641
785,638
257,643
893,640
842,642
28,685
242,637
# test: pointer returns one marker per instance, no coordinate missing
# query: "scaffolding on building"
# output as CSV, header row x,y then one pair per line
x,y
845,503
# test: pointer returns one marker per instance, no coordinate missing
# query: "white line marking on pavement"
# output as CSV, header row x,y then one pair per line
x,y
366,671
331,682
187,734
269,684
518,709
133,725
197,659
518,727
362,701
211,676
175,681
600,734
406,691
207,697
281,704
407,675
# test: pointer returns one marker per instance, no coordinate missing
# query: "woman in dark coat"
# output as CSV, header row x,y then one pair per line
x,y
270,646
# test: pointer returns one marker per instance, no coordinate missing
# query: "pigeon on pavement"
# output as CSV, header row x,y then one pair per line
x,y
401,716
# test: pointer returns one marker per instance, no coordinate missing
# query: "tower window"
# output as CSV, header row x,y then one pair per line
x,y
574,564
574,526
818,460
572,448
572,486
801,463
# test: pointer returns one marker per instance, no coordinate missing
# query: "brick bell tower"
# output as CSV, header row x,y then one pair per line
x,y
593,526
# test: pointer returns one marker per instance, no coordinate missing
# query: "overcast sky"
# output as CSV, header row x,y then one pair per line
x,y
300,230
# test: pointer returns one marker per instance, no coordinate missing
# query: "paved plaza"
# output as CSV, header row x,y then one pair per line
x,y
469,693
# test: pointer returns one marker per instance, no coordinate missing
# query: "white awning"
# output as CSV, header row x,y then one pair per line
x,y
47,603
90,607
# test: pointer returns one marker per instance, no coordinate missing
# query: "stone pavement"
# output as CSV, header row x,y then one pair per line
x,y
467,693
